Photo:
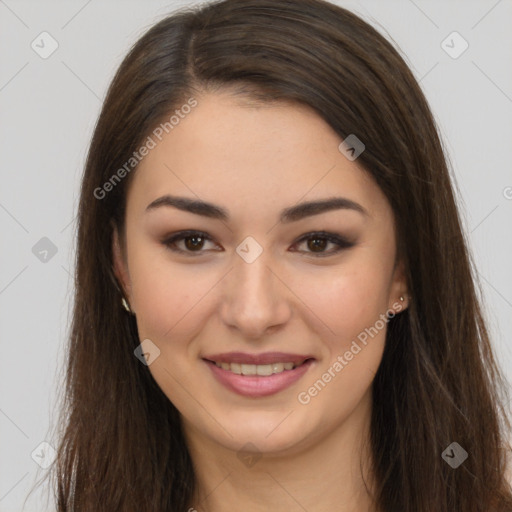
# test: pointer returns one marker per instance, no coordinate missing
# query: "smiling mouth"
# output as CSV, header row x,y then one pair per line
x,y
263,370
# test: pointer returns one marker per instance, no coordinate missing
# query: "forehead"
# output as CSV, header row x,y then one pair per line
x,y
258,156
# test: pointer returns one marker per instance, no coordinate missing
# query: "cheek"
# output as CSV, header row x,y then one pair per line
x,y
168,298
353,306
348,299
171,302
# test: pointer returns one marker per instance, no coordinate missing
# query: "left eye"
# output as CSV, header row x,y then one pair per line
x,y
316,242
194,241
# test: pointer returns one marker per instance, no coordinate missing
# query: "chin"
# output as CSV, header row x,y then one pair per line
x,y
273,433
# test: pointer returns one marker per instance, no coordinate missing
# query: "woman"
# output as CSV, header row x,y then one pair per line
x,y
275,306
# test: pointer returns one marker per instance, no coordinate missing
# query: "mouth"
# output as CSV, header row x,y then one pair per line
x,y
258,375
263,370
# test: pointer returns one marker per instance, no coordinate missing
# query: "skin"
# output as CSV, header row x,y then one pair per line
x,y
254,160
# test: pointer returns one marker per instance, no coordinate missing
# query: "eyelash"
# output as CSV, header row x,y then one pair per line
x,y
342,243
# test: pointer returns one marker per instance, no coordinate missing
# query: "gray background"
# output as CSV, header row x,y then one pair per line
x,y
48,111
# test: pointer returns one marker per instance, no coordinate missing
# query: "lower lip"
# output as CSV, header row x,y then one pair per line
x,y
257,385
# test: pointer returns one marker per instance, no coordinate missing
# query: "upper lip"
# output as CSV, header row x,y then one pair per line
x,y
263,358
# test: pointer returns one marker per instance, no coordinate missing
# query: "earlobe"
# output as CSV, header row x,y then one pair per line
x,y
399,294
404,301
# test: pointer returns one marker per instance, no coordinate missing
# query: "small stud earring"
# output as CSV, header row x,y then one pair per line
x,y
402,298
125,305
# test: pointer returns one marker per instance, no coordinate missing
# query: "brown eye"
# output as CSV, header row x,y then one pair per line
x,y
194,242
316,243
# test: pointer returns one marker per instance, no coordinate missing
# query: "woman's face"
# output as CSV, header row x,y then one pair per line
x,y
255,282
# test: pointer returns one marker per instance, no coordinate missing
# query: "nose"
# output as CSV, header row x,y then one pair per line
x,y
255,298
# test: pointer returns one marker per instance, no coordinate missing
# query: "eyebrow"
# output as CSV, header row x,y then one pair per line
x,y
291,214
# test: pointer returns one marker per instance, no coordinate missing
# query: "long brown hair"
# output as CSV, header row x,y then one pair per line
x,y
122,446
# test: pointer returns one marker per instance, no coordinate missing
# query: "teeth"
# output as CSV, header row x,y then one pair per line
x,y
235,368
248,369
279,367
265,369
256,369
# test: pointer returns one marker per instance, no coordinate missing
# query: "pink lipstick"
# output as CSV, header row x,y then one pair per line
x,y
258,375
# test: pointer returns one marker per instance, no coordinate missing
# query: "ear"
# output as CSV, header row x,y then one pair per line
x,y
120,266
399,289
